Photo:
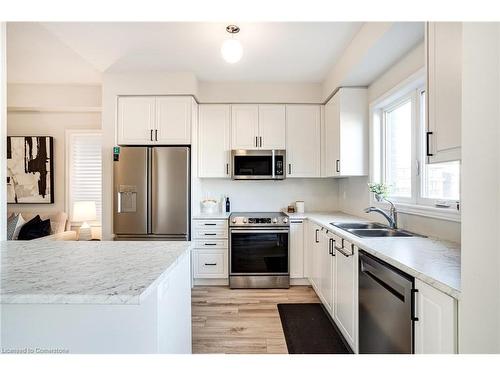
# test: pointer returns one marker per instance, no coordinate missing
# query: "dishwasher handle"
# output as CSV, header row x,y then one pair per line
x,y
391,279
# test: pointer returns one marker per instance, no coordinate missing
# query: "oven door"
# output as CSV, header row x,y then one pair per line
x,y
259,252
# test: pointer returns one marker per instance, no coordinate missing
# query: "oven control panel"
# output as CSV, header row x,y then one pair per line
x,y
278,219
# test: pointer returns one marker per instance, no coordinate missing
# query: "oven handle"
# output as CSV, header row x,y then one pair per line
x,y
260,231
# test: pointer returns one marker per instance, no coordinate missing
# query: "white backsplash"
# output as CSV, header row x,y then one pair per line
x,y
318,194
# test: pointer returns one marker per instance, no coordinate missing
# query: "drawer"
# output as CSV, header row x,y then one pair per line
x,y
211,244
202,234
210,263
210,224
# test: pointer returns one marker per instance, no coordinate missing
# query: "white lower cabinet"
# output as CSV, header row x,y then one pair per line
x,y
326,270
345,311
315,258
436,327
210,263
210,254
296,249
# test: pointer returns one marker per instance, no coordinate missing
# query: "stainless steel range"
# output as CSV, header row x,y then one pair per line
x,y
258,250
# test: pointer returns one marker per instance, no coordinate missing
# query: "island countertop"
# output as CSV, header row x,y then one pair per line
x,y
78,272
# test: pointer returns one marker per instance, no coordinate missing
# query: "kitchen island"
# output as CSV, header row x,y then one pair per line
x,y
95,297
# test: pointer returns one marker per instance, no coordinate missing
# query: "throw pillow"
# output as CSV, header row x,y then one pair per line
x,y
35,228
14,225
19,226
11,226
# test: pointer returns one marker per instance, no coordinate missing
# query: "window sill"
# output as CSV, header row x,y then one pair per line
x,y
448,214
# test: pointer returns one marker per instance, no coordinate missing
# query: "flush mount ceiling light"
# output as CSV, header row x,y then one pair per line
x,y
231,48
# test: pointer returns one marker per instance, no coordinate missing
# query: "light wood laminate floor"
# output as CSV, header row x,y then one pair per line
x,y
244,321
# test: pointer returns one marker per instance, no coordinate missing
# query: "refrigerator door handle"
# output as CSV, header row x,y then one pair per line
x,y
150,190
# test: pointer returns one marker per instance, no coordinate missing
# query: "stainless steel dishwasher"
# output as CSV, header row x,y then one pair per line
x,y
386,307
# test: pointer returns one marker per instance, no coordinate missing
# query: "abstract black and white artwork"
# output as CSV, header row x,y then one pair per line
x,y
30,167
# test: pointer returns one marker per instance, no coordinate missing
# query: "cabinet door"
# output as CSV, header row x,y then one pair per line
x,y
136,120
436,328
315,257
326,269
332,135
244,126
346,291
296,249
444,90
173,120
214,143
303,140
346,133
272,126
309,242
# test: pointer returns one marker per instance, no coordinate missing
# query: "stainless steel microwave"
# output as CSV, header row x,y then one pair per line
x,y
258,164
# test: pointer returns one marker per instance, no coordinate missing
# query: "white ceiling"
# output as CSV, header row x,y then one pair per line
x,y
35,55
273,52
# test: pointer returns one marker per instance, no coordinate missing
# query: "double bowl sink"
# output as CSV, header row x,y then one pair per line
x,y
372,230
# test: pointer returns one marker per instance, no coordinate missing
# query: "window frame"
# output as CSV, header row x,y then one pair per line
x,y
411,88
69,169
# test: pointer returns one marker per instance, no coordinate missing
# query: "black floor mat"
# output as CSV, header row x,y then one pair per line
x,y
309,330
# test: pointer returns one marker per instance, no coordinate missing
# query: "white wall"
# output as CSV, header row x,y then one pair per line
x,y
405,67
235,92
318,194
479,306
353,192
3,133
45,97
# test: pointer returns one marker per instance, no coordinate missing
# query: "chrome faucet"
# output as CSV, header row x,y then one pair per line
x,y
392,217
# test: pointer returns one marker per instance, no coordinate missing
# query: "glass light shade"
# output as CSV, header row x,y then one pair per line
x,y
231,50
84,211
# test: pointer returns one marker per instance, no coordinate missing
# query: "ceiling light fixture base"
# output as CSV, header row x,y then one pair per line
x,y
232,29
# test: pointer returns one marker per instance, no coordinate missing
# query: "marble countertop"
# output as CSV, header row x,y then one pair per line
x,y
214,216
431,260
85,272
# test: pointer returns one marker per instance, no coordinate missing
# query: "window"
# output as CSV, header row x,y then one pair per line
x,y
398,155
84,167
399,130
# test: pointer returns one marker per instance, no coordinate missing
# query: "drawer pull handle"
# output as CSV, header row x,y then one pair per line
x,y
210,234
210,264
210,244
210,224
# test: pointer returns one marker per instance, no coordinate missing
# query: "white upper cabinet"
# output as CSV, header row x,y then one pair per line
x,y
444,91
436,327
214,141
244,126
173,120
136,120
272,126
158,120
303,140
258,126
346,133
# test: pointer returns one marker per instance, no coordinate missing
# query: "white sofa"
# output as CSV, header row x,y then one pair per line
x,y
59,224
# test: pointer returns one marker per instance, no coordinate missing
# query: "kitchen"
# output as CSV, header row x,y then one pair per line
x,y
280,217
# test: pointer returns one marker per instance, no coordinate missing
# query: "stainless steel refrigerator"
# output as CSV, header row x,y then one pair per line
x,y
151,193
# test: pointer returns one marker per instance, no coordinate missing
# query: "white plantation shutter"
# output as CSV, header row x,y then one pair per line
x,y
85,167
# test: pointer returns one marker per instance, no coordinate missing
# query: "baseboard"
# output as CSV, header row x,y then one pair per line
x,y
225,282
300,281
211,282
